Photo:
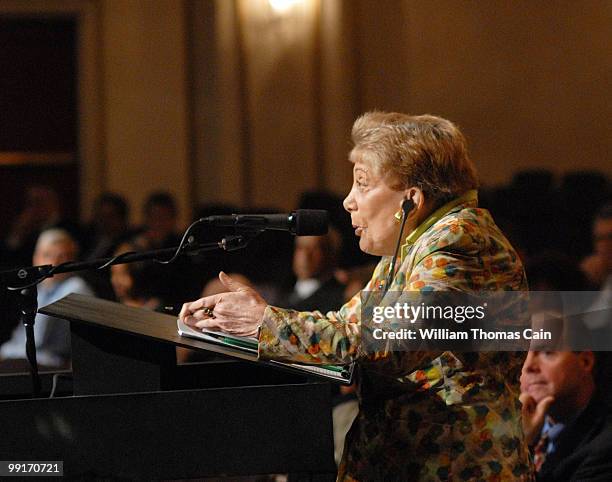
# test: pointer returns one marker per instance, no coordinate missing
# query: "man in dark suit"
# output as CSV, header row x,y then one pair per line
x,y
565,417
314,261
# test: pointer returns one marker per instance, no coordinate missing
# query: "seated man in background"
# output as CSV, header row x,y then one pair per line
x,y
42,209
598,266
109,226
180,278
598,269
108,229
565,418
160,222
52,335
315,259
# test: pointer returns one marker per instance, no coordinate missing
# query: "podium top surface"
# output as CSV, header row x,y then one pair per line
x,y
137,321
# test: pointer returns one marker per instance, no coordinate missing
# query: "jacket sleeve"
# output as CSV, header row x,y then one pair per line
x,y
450,258
335,338
311,336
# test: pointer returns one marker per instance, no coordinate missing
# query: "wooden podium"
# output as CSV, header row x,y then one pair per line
x,y
132,412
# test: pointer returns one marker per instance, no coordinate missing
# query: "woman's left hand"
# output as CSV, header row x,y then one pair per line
x,y
238,312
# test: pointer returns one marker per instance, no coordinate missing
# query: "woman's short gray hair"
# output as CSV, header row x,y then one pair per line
x,y
425,151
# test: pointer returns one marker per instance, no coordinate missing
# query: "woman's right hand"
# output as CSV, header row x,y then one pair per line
x,y
239,311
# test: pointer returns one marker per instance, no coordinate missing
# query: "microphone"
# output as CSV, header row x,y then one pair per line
x,y
303,222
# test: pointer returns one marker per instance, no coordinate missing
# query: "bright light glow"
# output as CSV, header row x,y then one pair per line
x,y
282,5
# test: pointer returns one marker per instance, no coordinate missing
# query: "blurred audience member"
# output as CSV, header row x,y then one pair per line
x,y
528,198
554,271
133,283
350,257
580,195
177,281
41,210
598,266
160,222
354,278
109,225
214,285
52,335
314,262
565,418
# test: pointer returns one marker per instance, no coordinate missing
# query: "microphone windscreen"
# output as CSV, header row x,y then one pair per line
x,y
311,222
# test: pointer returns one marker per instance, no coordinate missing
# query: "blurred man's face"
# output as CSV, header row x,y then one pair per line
x,y
310,257
161,222
602,236
42,203
560,374
55,253
110,220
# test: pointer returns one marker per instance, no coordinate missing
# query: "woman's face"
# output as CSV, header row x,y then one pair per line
x,y
122,281
372,205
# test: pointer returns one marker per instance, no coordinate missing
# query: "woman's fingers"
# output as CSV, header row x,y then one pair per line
x,y
225,325
231,284
191,308
237,312
208,324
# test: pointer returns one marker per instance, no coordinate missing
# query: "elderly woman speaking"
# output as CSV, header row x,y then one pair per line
x,y
424,415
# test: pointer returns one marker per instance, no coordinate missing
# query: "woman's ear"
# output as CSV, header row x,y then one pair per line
x,y
415,195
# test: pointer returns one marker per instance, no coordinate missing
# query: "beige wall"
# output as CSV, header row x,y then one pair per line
x,y
528,84
217,116
528,81
257,98
227,100
145,100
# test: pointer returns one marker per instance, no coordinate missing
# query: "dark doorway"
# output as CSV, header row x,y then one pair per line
x,y
38,111
38,121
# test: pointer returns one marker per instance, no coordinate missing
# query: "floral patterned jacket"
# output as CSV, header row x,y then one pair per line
x,y
424,415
